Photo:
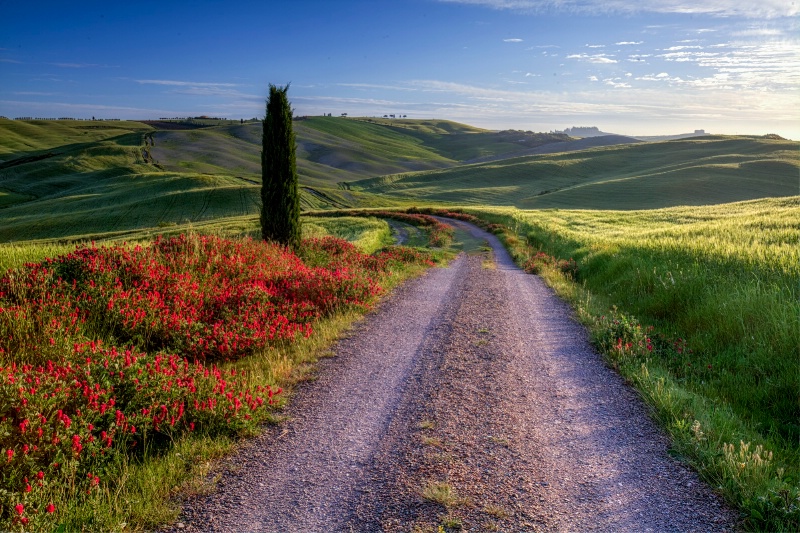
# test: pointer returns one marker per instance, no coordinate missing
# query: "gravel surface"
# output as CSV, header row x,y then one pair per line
x,y
472,400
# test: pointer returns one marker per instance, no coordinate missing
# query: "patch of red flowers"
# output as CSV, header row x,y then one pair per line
x,y
106,349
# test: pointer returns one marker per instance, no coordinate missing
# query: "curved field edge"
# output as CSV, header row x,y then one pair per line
x,y
144,493
700,311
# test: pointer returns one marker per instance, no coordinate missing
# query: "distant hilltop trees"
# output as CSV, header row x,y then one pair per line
x,y
201,117
584,131
64,118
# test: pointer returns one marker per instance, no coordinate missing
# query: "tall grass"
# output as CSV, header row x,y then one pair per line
x,y
721,289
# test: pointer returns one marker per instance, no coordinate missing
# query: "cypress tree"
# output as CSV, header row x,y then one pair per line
x,y
280,194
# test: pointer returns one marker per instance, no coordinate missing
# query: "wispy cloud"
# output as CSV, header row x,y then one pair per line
x,y
375,86
721,8
203,88
10,61
186,83
217,91
599,59
33,93
766,66
81,65
514,40
623,43
617,83
107,110
758,32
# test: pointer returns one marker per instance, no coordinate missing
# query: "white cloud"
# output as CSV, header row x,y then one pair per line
x,y
661,77
595,46
765,66
759,32
720,8
684,47
57,108
593,78
599,59
512,40
682,57
201,88
186,83
374,86
622,43
217,91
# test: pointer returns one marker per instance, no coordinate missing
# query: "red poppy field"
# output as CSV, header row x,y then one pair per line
x,y
115,351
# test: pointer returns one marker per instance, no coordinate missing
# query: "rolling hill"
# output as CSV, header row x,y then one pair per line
x,y
702,171
94,179
86,179
334,150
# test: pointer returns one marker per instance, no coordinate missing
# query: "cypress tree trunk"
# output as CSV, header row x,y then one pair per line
x,y
280,195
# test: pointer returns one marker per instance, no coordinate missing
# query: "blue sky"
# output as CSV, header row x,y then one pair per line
x,y
641,67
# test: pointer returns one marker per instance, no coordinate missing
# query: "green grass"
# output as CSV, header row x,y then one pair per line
x,y
369,234
442,493
726,280
710,170
19,138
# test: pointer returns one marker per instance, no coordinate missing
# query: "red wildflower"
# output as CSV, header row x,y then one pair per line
x,y
76,444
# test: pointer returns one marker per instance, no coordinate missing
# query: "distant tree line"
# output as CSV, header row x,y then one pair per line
x,y
65,118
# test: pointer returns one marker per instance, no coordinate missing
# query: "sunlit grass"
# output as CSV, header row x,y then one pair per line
x,y
723,283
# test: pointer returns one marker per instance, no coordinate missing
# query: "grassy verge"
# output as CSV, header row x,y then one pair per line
x,y
126,370
700,312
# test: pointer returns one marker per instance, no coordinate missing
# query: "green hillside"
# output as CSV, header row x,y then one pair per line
x,y
710,170
107,187
333,150
20,138
69,179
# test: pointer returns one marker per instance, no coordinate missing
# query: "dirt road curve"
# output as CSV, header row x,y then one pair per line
x,y
475,384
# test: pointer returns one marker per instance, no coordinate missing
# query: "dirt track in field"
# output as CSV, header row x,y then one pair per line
x,y
469,399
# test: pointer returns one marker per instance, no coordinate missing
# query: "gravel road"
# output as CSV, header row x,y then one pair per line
x,y
469,399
